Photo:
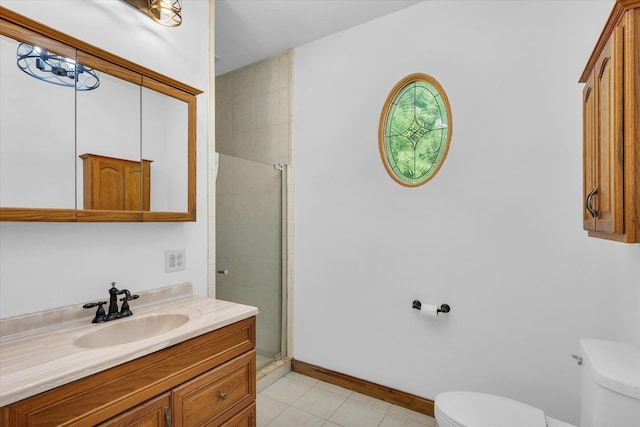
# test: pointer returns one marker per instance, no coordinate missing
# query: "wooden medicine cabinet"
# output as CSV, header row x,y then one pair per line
x,y
115,184
72,154
611,125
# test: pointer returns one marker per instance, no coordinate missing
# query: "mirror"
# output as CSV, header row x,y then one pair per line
x,y
37,153
163,130
108,143
123,151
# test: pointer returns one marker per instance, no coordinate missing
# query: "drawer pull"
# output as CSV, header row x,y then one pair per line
x,y
588,203
223,396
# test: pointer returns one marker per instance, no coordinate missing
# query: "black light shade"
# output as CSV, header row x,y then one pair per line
x,y
55,69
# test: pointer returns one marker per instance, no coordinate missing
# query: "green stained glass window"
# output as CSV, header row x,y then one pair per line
x,y
415,130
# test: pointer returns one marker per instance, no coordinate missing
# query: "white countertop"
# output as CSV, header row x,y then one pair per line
x,y
37,351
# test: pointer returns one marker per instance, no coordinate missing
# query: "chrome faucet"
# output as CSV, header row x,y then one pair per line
x,y
113,312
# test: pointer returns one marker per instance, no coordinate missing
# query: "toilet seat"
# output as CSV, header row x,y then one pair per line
x,y
472,409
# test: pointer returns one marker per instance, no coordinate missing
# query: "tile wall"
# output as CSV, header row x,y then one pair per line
x,y
253,111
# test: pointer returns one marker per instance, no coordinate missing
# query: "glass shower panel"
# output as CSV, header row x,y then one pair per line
x,y
249,246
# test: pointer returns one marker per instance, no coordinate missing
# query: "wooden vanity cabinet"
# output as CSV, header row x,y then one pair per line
x,y
611,144
116,184
209,380
203,401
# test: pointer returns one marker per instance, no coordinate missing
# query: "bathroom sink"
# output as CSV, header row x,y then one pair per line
x,y
132,329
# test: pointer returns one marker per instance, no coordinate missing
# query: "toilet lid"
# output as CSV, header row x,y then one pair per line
x,y
471,409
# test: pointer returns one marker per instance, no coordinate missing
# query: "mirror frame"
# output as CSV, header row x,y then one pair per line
x,y
24,29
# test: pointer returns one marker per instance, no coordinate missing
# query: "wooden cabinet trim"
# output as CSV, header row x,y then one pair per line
x,y
106,394
616,15
31,36
37,214
632,124
58,36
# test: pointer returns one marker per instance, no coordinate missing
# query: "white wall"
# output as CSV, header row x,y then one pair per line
x,y
47,265
497,233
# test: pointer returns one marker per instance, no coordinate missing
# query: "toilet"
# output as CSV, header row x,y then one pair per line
x,y
609,395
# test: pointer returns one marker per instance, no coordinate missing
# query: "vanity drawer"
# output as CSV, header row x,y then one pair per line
x,y
244,418
213,396
152,413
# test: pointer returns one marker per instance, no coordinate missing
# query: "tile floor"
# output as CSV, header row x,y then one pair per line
x,y
299,401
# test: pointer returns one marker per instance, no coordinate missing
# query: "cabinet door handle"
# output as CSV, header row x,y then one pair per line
x,y
223,396
588,204
167,416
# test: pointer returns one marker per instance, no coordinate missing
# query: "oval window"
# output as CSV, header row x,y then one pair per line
x,y
415,130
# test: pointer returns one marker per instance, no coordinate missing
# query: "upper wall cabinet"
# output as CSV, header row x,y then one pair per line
x,y
88,136
611,129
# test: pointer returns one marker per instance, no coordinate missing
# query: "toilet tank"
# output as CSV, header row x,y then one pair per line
x,y
610,384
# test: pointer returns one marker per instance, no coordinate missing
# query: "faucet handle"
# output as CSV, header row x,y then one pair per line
x,y
100,314
94,304
125,310
129,297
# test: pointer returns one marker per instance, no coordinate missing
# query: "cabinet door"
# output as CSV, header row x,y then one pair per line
x,y
137,185
609,152
104,189
153,413
132,186
216,395
589,130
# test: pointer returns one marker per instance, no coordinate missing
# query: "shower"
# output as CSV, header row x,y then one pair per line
x,y
254,176
251,246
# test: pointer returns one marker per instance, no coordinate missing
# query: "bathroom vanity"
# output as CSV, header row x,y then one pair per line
x,y
199,372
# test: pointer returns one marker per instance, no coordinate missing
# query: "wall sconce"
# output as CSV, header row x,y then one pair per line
x,y
55,69
164,12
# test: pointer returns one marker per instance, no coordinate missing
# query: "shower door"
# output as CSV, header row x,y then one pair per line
x,y
249,246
